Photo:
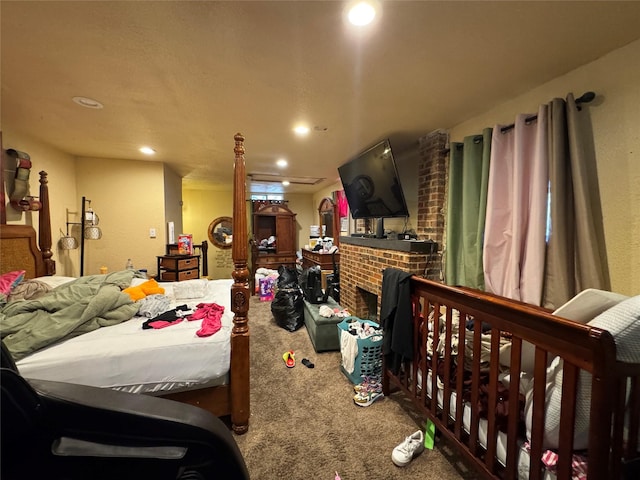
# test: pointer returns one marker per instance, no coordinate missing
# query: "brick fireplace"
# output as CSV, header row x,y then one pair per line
x,y
361,274
361,265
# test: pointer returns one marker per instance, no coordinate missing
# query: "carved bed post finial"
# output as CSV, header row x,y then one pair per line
x,y
240,295
44,225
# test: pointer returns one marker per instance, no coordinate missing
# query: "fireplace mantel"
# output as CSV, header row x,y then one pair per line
x,y
414,246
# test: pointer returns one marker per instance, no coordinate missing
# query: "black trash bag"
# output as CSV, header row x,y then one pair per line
x,y
287,277
287,308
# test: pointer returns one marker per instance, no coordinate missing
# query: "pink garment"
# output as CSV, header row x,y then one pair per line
x,y
343,206
211,315
579,463
516,218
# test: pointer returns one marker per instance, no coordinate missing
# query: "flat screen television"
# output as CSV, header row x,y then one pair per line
x,y
371,184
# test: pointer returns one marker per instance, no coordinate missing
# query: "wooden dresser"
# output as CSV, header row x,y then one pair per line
x,y
325,260
172,268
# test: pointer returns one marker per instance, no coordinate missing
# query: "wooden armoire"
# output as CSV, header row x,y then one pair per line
x,y
273,220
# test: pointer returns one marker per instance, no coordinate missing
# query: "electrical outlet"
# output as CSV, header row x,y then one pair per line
x,y
152,233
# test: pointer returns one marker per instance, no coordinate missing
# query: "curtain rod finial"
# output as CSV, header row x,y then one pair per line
x,y
586,97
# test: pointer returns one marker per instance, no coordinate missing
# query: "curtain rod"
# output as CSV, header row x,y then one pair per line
x,y
584,98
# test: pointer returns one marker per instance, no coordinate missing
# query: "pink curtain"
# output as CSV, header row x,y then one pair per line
x,y
515,225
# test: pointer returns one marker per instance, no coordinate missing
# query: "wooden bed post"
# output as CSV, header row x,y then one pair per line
x,y
240,297
44,225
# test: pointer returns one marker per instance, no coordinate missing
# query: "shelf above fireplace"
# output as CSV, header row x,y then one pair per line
x,y
414,246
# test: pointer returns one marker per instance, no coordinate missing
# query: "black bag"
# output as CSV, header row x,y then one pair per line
x,y
287,277
287,306
311,284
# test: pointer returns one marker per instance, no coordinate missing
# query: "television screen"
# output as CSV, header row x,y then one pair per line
x,y
371,184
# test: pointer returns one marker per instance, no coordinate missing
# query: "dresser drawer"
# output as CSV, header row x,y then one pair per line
x,y
181,275
275,260
179,263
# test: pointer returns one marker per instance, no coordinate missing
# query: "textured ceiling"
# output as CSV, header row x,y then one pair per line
x,y
184,77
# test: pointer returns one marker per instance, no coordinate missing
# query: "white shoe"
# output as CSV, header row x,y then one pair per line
x,y
408,450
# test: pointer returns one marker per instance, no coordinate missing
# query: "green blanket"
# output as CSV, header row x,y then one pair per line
x,y
77,307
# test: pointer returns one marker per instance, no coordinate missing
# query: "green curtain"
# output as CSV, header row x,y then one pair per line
x,y
466,208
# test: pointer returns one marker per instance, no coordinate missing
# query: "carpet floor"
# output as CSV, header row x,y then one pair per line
x,y
304,424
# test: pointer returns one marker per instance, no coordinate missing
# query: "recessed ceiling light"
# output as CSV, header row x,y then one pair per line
x,y
301,130
147,150
88,102
281,163
285,183
362,13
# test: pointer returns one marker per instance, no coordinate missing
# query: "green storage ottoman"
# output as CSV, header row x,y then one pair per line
x,y
322,330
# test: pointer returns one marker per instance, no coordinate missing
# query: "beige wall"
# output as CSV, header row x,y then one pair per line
x,y
615,116
128,196
200,207
172,203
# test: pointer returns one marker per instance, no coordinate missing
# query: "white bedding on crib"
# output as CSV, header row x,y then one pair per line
x,y
126,357
582,308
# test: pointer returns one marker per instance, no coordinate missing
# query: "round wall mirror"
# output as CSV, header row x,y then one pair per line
x,y
221,232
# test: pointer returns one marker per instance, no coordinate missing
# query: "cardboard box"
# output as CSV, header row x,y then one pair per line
x,y
185,244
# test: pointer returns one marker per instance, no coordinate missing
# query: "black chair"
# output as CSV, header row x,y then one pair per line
x,y
58,430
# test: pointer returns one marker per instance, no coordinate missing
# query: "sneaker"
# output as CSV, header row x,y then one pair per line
x,y
368,387
364,399
409,449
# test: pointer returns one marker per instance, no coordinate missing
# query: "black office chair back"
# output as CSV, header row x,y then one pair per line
x,y
57,430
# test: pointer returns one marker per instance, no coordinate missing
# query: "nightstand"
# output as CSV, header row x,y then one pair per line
x,y
174,268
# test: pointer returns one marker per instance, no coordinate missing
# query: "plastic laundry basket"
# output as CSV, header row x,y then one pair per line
x,y
368,361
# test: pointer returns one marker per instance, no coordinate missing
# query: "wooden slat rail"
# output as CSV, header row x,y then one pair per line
x,y
584,350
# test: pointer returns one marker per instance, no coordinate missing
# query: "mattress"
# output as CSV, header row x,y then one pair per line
x,y
128,358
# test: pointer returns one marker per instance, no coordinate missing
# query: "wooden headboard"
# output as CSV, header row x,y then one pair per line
x,y
19,249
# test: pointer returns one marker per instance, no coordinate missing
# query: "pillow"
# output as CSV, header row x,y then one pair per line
x,y
55,281
28,290
582,308
8,281
196,288
623,322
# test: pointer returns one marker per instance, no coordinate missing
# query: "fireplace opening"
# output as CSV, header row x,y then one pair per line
x,y
366,305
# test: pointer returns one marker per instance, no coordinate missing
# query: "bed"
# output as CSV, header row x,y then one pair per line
x,y
211,371
522,392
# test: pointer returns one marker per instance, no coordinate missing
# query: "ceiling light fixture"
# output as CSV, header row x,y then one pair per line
x,y
285,183
281,163
147,150
88,102
362,13
301,130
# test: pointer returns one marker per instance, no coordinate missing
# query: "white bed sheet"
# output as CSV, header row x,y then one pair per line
x,y
126,357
